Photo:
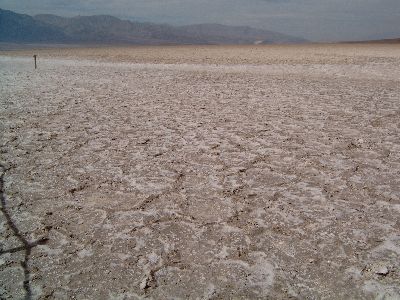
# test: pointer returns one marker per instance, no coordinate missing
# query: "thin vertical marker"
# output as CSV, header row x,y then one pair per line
x,y
34,57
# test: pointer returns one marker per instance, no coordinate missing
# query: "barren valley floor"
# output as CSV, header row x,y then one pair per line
x,y
252,172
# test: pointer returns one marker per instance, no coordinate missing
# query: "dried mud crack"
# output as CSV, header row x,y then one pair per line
x,y
26,246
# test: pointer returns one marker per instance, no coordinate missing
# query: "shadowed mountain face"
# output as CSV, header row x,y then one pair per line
x,y
108,30
23,28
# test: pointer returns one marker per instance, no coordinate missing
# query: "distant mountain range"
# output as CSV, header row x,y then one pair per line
x,y
20,28
383,41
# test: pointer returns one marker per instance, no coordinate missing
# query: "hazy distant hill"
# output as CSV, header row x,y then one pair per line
x,y
222,34
23,28
107,29
384,41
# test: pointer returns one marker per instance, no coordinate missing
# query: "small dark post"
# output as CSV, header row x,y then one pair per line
x,y
34,57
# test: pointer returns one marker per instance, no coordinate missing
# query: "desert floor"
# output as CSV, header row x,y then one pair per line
x,y
259,172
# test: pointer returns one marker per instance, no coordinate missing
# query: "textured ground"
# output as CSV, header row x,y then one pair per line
x,y
201,173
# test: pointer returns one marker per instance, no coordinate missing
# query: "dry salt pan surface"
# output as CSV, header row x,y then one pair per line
x,y
201,173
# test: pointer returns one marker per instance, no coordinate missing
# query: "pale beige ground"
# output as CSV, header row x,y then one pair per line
x,y
350,54
266,172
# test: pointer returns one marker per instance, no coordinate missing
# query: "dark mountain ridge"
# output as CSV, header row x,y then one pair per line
x,y
23,28
383,41
104,29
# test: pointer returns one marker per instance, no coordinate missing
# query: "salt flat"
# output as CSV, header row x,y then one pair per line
x,y
252,172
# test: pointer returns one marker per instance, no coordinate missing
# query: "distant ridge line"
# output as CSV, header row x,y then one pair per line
x,y
104,29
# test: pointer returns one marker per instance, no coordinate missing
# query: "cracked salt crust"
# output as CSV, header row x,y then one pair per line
x,y
192,173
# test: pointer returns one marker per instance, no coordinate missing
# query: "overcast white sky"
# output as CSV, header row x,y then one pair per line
x,y
318,20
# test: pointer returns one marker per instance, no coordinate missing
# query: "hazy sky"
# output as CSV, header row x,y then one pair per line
x,y
320,20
